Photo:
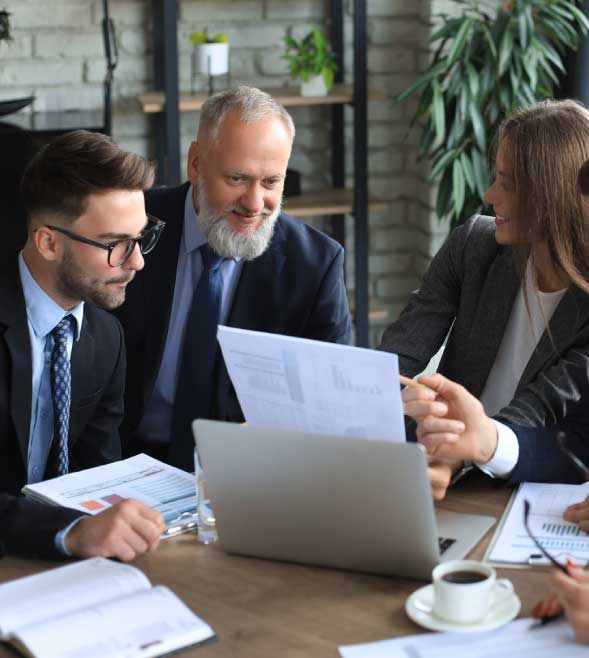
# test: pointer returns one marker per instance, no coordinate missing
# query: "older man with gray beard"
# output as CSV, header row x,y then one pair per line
x,y
228,256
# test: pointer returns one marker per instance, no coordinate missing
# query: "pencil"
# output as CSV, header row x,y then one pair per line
x,y
406,381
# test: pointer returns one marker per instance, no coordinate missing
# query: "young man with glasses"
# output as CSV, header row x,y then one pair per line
x,y
62,358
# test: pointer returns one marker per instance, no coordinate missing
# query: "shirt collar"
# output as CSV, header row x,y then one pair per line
x,y
192,237
43,313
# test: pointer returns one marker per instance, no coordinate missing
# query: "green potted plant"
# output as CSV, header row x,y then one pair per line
x,y
485,64
211,53
312,60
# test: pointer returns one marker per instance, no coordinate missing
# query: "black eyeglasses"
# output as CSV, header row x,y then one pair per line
x,y
541,548
119,251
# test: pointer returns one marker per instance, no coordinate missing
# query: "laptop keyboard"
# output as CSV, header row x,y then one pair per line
x,y
445,543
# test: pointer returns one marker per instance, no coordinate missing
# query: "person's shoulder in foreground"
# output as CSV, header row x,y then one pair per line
x,y
62,358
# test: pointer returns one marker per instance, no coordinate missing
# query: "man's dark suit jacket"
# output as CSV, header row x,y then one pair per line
x,y
295,287
98,372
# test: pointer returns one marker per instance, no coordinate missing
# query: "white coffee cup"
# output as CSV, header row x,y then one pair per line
x,y
466,590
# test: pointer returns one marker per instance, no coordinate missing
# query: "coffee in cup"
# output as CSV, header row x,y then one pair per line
x,y
466,590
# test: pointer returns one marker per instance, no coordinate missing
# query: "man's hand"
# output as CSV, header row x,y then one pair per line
x,y
578,513
451,423
440,475
123,531
572,591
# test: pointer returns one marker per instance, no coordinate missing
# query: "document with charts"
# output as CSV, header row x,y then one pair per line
x,y
515,640
312,386
512,544
167,489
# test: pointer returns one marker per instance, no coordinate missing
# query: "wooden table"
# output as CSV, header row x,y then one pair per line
x,y
261,608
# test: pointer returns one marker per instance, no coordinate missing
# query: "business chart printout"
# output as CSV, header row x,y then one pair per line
x,y
311,386
167,489
560,538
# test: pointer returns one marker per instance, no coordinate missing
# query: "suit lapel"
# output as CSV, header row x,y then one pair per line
x,y
159,280
13,316
569,317
501,285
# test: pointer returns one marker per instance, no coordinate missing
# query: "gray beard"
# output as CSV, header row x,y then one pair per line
x,y
229,243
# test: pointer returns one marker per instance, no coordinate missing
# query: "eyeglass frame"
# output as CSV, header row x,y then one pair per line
x,y
158,227
536,541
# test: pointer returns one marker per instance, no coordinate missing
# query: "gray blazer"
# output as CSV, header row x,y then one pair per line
x,y
472,282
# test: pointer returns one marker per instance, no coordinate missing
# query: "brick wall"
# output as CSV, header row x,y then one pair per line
x,y
57,56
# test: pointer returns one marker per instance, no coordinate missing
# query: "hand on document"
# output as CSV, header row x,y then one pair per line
x,y
124,531
578,513
570,594
451,423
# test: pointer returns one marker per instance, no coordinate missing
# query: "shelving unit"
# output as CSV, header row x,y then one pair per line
x,y
166,103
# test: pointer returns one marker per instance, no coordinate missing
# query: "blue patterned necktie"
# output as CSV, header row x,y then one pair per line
x,y
194,390
61,393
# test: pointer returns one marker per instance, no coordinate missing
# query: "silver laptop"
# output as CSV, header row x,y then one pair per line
x,y
338,502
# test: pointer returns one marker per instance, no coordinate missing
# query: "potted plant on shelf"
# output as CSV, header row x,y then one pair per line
x,y
211,53
14,104
312,60
484,66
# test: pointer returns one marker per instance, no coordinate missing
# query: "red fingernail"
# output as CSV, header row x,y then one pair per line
x,y
536,610
571,564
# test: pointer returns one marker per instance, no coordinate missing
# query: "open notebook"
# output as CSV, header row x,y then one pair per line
x,y
95,609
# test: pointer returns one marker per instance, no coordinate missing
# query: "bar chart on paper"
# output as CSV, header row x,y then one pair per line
x,y
512,543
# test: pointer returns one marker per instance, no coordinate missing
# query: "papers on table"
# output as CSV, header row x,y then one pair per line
x,y
511,543
519,639
311,386
168,489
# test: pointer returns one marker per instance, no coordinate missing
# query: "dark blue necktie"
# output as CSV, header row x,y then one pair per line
x,y
194,390
61,381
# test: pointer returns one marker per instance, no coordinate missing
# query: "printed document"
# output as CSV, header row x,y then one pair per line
x,y
519,639
312,386
167,489
562,539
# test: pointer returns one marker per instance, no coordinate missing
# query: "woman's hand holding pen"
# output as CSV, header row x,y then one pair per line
x,y
570,594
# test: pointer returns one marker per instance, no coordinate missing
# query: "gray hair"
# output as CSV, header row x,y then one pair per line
x,y
253,105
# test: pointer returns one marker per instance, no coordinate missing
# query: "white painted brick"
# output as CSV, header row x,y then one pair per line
x,y
397,31
396,287
379,264
394,215
49,13
139,146
205,11
270,62
18,48
394,7
61,43
392,240
385,161
289,10
69,97
311,140
391,60
391,188
129,68
46,72
132,42
123,13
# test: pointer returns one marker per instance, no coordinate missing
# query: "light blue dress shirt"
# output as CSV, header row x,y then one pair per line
x,y
43,315
157,419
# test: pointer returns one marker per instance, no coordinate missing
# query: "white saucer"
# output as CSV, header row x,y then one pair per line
x,y
419,608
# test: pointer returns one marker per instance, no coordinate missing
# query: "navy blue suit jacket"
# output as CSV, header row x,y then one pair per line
x,y
98,367
540,458
296,287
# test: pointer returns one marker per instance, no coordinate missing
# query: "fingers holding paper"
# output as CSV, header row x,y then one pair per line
x,y
578,513
451,423
123,531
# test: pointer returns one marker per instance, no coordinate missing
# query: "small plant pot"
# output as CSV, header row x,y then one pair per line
x,y
315,86
211,58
